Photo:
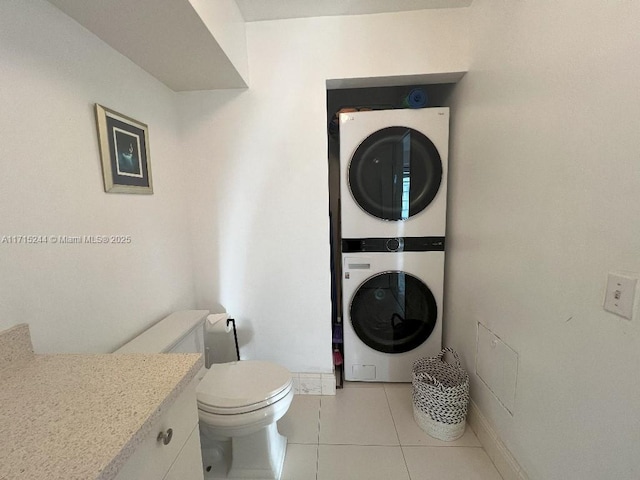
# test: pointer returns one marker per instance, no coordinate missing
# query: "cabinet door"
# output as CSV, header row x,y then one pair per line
x,y
188,465
152,458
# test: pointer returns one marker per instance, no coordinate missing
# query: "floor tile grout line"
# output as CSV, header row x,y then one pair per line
x,y
318,436
391,413
437,446
406,467
355,445
386,445
319,420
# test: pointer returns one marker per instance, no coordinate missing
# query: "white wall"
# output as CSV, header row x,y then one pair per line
x,y
544,201
260,188
225,22
83,298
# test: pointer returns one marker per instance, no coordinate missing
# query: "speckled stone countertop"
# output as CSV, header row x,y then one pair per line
x,y
80,417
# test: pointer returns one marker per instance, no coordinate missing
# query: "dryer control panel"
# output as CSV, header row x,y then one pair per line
x,y
396,244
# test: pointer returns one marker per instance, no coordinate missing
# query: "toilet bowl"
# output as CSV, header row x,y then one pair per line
x,y
239,404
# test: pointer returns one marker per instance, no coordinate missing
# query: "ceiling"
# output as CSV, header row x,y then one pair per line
x,y
170,40
256,10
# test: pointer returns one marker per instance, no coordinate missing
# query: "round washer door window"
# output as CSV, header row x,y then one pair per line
x,y
393,312
395,173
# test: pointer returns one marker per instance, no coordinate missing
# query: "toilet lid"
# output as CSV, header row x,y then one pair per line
x,y
238,387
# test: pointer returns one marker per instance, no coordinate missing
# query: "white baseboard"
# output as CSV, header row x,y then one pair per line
x,y
501,457
314,383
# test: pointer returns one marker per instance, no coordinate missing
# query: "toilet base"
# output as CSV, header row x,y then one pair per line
x,y
258,456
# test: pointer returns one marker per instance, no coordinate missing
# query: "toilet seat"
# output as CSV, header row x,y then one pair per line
x,y
241,387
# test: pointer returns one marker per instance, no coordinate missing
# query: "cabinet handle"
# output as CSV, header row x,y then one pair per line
x,y
166,436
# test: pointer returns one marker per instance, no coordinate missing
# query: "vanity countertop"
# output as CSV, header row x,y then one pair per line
x,y
80,417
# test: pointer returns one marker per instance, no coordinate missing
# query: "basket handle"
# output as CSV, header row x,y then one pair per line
x,y
453,353
422,376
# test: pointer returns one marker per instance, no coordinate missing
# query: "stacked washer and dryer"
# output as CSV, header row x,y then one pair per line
x,y
393,166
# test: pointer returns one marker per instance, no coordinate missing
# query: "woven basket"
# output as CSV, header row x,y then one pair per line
x,y
440,396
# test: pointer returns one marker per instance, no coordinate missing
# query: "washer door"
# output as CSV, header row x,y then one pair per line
x,y
393,312
395,173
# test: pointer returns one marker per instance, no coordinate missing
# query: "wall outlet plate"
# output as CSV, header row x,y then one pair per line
x,y
620,295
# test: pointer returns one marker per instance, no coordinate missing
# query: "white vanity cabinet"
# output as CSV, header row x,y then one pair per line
x,y
171,450
96,416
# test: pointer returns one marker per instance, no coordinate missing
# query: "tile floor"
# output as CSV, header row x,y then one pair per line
x,y
367,432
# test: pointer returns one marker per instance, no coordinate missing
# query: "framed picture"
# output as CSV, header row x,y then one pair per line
x,y
124,150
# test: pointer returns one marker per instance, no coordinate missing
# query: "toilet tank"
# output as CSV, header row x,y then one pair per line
x,y
180,332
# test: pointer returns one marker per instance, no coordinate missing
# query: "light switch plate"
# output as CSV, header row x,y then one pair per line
x,y
620,294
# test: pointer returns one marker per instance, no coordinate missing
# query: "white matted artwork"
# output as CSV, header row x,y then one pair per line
x,y
124,150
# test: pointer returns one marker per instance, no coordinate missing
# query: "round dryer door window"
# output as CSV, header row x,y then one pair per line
x,y
395,173
393,312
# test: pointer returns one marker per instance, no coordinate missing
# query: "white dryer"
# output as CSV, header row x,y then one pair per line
x,y
393,169
392,307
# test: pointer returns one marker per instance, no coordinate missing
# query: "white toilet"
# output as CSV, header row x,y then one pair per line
x,y
239,403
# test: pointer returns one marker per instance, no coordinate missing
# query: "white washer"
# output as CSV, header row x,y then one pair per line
x,y
392,311
393,169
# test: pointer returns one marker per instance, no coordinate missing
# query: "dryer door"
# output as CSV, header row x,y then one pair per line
x,y
393,312
395,173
